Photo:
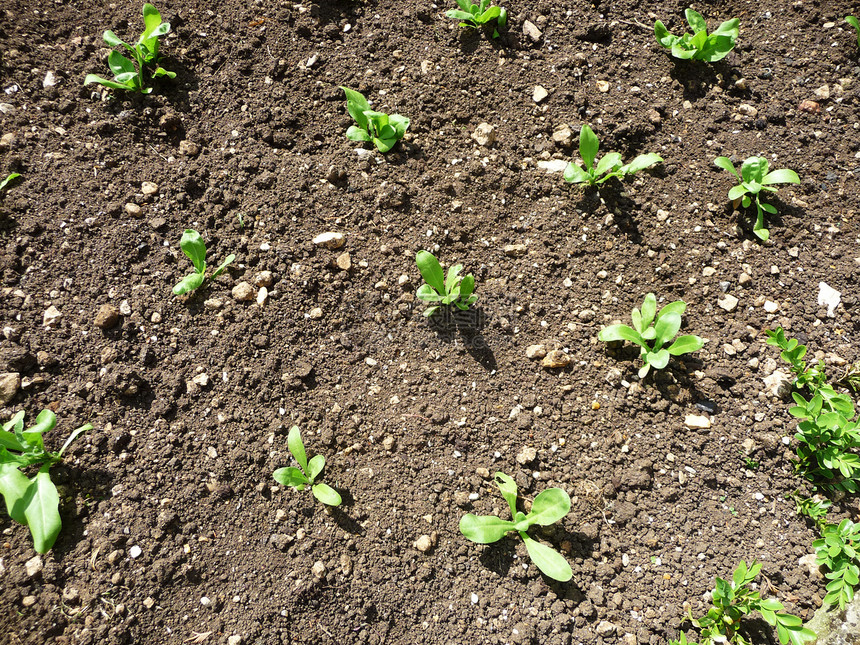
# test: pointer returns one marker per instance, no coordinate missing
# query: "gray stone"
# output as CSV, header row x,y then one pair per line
x,y
531,30
835,627
10,382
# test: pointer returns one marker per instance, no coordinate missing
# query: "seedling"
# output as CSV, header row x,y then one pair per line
x,y
852,20
755,178
8,181
144,52
382,129
453,290
475,15
609,165
310,470
699,45
548,507
665,326
33,502
815,508
194,247
837,550
732,601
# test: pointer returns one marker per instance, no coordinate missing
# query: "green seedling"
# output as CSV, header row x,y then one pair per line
x,y
476,15
144,52
755,178
793,353
454,290
837,550
548,507
11,177
609,166
852,20
815,508
310,470
194,247
700,45
382,129
32,501
666,325
734,600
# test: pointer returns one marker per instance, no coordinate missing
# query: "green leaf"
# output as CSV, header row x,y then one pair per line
x,y
45,422
685,345
621,332
663,36
42,510
13,487
502,19
291,476
665,328
641,163
609,161
194,247
508,488
657,360
356,105
384,145
484,529
467,286
573,174
782,176
354,133
549,561
315,466
431,270
428,294
736,192
399,123
119,64
489,14
459,15
12,176
649,309
188,283
430,311
696,21
754,169
114,41
726,164
326,494
223,266
297,448
94,78
728,28
549,507
588,145
453,274
75,434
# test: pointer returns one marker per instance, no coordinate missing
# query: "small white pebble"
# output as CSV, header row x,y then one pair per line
x,y
474,599
205,601
135,551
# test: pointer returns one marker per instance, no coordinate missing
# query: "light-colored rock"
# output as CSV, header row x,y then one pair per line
x,y
10,383
771,307
34,566
747,110
535,351
243,292
697,421
424,543
262,296
133,209
188,148
50,80
51,317
810,107
552,165
201,379
484,135
316,313
604,628
526,456
107,316
823,92
515,250
809,563
539,94
777,384
264,279
149,188
330,240
828,297
344,262
834,626
603,86
318,569
728,302
235,639
563,135
213,303
531,30
556,358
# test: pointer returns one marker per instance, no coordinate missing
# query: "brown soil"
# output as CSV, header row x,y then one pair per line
x,y
183,471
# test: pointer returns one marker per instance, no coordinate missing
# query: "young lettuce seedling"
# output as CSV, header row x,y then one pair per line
x,y
144,52
755,178
33,502
732,601
548,507
455,290
8,181
194,247
852,20
382,129
666,324
298,479
699,45
475,15
609,165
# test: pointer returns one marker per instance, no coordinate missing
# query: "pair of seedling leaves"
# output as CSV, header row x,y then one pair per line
x,y
755,178
194,247
548,507
32,501
310,470
382,129
666,325
700,45
453,290
609,166
144,52
476,15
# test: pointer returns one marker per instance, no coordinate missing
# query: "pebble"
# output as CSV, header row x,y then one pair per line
x,y
50,80
135,551
604,628
484,135
515,250
205,601
149,602
318,569
34,566
531,30
556,358
697,421
707,272
51,317
603,86
344,262
474,599
188,148
149,188
809,563
132,209
810,107
125,308
770,306
315,314
201,379
535,351
388,442
264,279
8,141
10,383
539,94
563,135
553,165
235,639
107,316
829,297
424,543
744,279
526,455
243,292
330,240
777,384
28,601
823,92
728,302
213,303
748,445
262,296
747,110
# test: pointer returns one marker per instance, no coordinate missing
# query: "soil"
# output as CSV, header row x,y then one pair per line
x,y
412,417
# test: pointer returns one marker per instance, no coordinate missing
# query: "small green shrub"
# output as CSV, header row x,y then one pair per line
x,y
700,45
609,166
11,177
194,247
475,15
454,290
310,470
382,129
837,550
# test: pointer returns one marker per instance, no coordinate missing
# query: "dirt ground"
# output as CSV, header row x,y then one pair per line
x,y
174,530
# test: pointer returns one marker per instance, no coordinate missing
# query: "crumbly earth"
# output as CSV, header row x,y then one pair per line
x,y
174,530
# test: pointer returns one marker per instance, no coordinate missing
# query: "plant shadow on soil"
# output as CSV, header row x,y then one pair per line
x,y
453,325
